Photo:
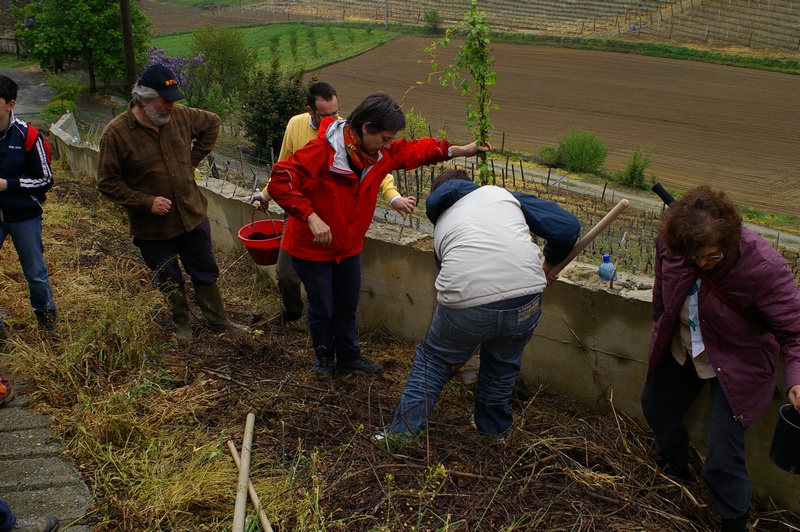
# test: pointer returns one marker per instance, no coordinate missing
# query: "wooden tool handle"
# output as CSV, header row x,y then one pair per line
x,y
618,209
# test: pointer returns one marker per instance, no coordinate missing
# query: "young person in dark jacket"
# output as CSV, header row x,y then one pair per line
x,y
25,177
725,305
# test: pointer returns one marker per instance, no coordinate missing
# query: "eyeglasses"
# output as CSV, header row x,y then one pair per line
x,y
708,258
319,117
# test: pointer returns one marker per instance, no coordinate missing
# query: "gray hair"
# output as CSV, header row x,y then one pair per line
x,y
141,93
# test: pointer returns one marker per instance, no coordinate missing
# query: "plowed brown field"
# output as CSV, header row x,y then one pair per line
x,y
732,128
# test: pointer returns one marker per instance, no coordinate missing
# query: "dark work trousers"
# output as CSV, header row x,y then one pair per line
x,y
288,284
195,251
665,401
332,290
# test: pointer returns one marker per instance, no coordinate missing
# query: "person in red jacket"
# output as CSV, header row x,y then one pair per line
x,y
329,188
725,305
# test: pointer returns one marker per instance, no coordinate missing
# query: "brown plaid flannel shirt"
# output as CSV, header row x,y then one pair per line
x,y
137,164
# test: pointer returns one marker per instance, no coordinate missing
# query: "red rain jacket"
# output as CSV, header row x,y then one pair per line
x,y
318,179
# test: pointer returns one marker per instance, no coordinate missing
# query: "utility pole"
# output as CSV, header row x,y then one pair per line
x,y
387,14
127,43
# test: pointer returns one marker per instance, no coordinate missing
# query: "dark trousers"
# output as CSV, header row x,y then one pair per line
x,y
665,401
195,251
332,290
288,284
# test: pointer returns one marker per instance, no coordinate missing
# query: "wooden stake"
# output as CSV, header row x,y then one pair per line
x,y
251,490
240,510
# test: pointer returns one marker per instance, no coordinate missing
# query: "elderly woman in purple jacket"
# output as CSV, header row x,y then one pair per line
x,y
725,305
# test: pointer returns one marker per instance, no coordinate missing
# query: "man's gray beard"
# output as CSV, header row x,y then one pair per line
x,y
154,117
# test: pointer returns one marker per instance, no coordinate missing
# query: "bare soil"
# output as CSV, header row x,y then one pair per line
x,y
732,128
560,467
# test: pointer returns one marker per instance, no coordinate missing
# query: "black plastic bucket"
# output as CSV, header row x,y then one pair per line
x,y
785,450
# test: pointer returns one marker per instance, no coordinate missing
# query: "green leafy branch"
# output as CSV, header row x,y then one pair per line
x,y
474,56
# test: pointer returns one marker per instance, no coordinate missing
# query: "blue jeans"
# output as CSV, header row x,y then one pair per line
x,y
7,519
665,400
332,290
27,239
195,251
452,337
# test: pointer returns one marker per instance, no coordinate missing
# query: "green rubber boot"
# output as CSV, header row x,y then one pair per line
x,y
176,299
210,302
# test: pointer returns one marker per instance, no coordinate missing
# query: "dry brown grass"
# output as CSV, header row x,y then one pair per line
x,y
147,420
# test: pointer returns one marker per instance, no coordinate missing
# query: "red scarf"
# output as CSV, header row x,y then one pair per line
x,y
358,157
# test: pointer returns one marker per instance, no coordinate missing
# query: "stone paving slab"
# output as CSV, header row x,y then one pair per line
x,y
69,503
35,473
16,417
28,443
36,480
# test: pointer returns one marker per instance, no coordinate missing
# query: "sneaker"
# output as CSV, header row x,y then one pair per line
x,y
361,364
42,524
391,437
500,439
737,524
323,366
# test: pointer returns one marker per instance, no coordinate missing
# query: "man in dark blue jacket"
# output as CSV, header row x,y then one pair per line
x,y
25,177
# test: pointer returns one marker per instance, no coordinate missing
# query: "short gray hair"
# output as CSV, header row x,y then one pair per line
x,y
141,93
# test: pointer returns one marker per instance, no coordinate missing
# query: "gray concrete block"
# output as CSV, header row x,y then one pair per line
x,y
36,474
14,417
28,443
68,503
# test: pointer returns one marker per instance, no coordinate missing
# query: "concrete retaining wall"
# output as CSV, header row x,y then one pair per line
x,y
590,345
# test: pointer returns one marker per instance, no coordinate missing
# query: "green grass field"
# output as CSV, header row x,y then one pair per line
x,y
12,61
316,46
206,3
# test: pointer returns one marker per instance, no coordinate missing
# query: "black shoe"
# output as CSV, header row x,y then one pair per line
x,y
323,366
736,524
359,364
288,316
46,322
677,465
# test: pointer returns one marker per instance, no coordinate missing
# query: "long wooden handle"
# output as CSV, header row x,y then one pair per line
x,y
240,510
618,209
262,515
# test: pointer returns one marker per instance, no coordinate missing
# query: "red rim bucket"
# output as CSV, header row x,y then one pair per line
x,y
262,240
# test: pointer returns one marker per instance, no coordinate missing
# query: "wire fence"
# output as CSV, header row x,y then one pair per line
x,y
630,240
